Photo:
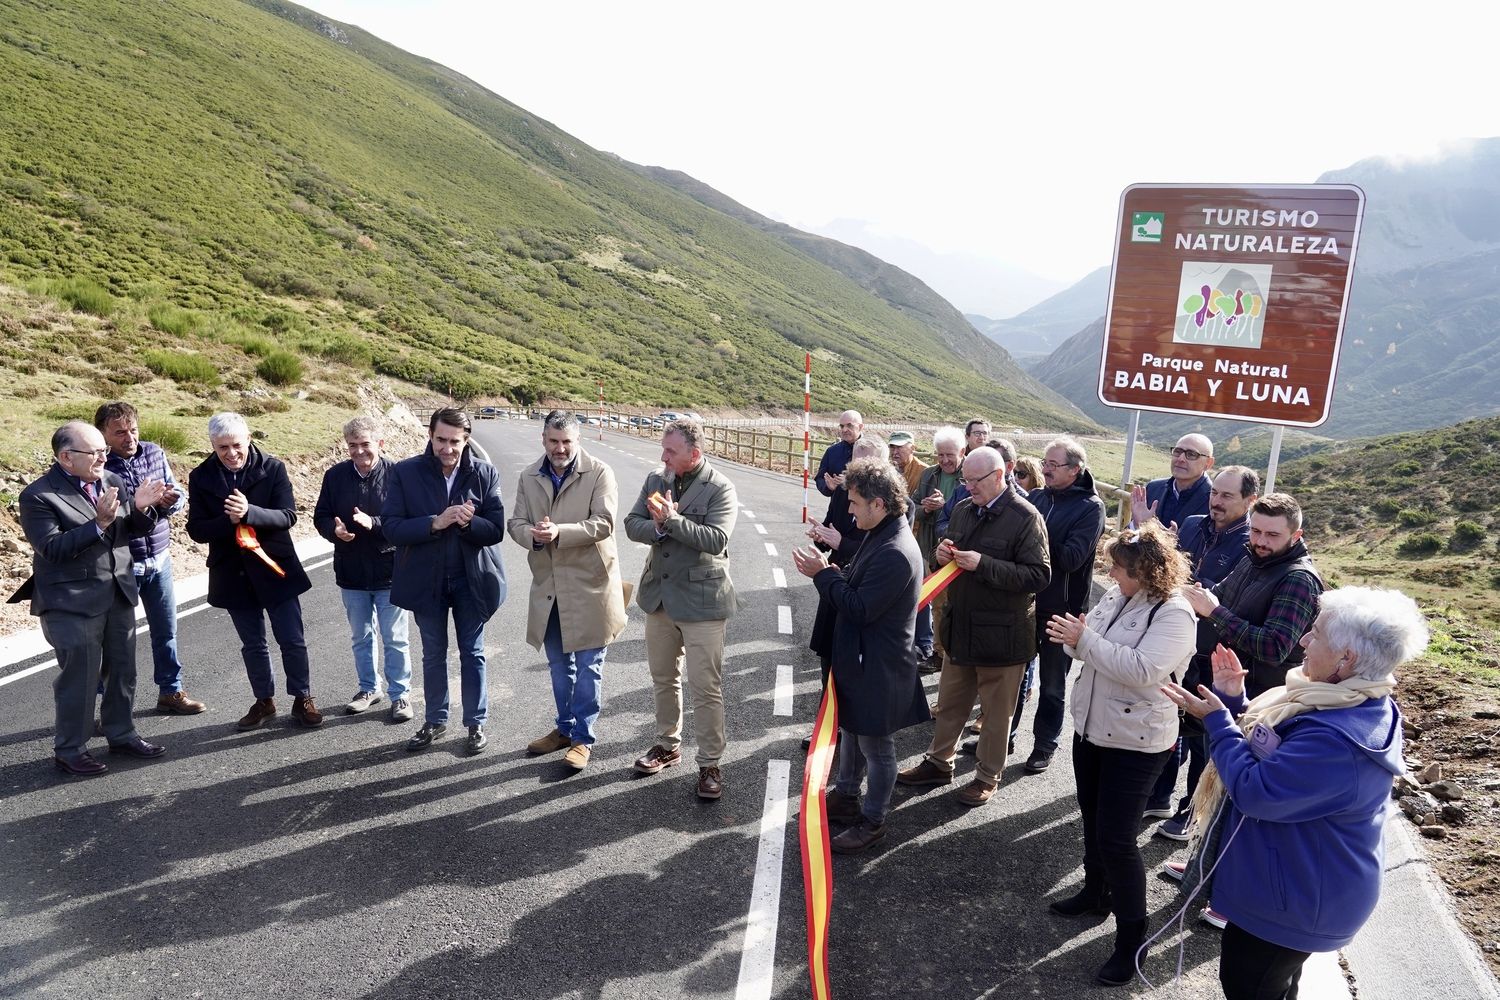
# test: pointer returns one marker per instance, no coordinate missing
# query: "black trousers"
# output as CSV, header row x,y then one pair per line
x,y
1112,790
1251,968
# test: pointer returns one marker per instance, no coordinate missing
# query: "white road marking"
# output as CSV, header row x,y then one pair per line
x,y
770,549
783,703
783,619
778,575
758,956
748,513
760,528
27,672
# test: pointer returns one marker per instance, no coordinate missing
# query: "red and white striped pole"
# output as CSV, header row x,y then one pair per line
x,y
601,411
806,428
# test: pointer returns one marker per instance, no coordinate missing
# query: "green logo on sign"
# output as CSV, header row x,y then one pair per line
x,y
1145,227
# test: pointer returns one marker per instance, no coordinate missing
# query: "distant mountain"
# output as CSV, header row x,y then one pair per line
x,y
296,182
903,291
972,282
1039,330
1425,211
1422,338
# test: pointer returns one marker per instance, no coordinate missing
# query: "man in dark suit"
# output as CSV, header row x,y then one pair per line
x,y
79,520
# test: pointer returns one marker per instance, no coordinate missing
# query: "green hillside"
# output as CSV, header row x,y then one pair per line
x,y
1416,511
280,176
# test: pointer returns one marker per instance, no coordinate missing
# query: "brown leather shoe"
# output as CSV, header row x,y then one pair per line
x,y
262,710
925,773
551,743
975,793
841,808
178,703
858,838
305,712
577,756
710,783
656,758
977,726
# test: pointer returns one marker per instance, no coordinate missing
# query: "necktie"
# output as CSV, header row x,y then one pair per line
x,y
88,491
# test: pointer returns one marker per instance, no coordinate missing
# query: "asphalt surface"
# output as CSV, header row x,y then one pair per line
x,y
333,863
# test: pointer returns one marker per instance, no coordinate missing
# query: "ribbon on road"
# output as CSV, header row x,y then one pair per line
x,y
817,859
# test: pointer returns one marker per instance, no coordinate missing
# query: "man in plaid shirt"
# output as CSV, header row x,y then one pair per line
x,y
135,462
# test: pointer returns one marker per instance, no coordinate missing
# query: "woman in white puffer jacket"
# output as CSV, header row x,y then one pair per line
x,y
1139,636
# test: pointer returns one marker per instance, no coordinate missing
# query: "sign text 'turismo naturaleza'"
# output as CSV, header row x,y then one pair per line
x,y
1228,301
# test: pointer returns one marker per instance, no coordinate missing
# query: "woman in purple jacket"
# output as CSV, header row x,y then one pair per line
x,y
1299,785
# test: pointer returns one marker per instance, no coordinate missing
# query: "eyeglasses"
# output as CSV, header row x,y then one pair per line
x,y
1054,466
95,453
971,483
1189,454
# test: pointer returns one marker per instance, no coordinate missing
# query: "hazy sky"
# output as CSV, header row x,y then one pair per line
x,y
1006,131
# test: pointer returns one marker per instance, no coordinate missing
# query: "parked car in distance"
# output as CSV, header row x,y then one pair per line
x,y
487,412
667,415
591,421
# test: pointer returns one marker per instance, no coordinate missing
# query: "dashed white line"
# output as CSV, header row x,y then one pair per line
x,y
778,575
758,957
783,619
770,549
760,528
783,702
748,513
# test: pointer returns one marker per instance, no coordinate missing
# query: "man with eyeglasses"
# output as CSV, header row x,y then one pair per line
x,y
135,462
989,625
934,487
80,519
1075,517
1184,494
830,478
976,434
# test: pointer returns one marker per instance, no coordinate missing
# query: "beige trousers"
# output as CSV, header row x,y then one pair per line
x,y
997,689
701,645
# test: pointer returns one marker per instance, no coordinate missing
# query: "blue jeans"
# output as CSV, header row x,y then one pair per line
x,y
366,609
1054,667
577,684
1028,680
468,625
286,625
159,599
875,754
924,631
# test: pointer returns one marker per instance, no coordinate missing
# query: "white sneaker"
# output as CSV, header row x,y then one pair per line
x,y
361,701
401,710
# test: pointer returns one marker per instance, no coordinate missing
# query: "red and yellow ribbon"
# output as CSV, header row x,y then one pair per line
x,y
817,859
244,537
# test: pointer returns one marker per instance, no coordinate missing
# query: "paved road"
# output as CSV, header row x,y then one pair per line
x,y
334,864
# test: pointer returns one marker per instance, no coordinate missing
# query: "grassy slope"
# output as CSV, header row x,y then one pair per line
x,y
251,167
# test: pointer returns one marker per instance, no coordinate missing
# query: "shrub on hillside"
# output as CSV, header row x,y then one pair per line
x,y
83,295
347,350
169,436
1421,544
179,366
280,368
1410,518
174,320
1466,535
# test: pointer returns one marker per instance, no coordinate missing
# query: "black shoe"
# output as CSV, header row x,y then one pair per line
x,y
477,740
1038,762
422,738
1119,969
1086,901
138,748
858,838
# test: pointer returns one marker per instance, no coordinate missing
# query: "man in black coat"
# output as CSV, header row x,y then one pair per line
x,y
240,503
989,625
348,514
873,606
1075,517
79,520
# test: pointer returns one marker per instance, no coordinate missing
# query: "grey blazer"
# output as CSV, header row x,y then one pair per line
x,y
73,568
687,569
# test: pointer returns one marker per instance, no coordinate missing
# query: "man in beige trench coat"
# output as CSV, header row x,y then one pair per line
x,y
564,516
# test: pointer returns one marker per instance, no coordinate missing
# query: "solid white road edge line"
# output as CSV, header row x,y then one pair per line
x,y
783,702
783,619
758,957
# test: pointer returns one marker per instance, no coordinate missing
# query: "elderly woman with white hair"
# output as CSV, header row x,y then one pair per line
x,y
1298,787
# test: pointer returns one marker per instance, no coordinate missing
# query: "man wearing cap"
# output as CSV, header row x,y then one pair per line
x,y
903,456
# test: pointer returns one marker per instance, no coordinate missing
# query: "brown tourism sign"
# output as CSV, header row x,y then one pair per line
x,y
1228,301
